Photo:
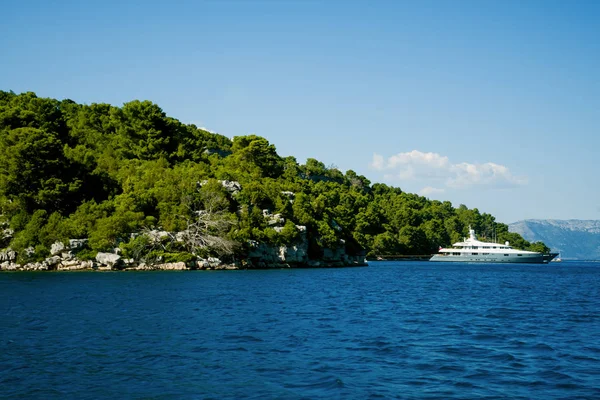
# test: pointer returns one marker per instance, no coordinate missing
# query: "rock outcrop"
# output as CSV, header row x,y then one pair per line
x,y
109,259
6,235
57,247
261,255
8,255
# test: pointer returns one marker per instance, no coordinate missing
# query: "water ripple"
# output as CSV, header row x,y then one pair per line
x,y
406,330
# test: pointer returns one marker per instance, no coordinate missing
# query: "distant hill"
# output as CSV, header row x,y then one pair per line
x,y
574,239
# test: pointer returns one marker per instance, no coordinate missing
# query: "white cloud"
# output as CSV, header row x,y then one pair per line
x,y
200,125
437,170
413,165
429,190
206,129
378,162
406,160
465,174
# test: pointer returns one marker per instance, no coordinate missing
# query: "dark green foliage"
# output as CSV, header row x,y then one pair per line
x,y
539,247
102,172
34,173
161,256
86,254
289,233
255,156
28,240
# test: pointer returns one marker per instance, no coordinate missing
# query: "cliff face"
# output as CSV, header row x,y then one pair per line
x,y
269,256
574,239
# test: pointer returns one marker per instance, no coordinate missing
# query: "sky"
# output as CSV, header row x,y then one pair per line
x,y
490,104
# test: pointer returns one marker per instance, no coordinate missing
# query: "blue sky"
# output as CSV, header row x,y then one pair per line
x,y
491,104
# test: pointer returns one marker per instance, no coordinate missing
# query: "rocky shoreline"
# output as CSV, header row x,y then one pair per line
x,y
63,258
206,265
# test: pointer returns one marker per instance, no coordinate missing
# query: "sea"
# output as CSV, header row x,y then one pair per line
x,y
392,330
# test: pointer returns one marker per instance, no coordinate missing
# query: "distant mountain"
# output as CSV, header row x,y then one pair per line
x,y
573,238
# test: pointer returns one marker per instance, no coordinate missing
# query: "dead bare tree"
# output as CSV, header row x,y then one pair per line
x,y
149,243
207,224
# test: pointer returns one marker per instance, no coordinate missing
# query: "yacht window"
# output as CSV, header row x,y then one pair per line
x,y
519,255
506,255
475,254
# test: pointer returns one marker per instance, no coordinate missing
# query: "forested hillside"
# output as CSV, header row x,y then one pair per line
x,y
107,173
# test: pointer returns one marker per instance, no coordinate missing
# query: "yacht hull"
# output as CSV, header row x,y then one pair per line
x,y
492,258
549,257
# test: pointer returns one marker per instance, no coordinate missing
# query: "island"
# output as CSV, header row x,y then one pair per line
x,y
129,188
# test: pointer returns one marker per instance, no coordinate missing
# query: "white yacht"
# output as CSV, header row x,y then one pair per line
x,y
473,250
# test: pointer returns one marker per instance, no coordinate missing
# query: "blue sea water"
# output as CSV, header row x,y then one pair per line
x,y
407,330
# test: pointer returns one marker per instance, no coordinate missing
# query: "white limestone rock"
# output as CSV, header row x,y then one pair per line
x,y
181,236
108,259
52,261
56,248
209,263
157,236
139,267
293,254
75,265
6,234
8,255
276,219
75,244
176,266
9,266
231,186
34,267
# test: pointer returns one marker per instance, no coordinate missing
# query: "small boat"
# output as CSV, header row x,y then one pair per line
x,y
473,250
